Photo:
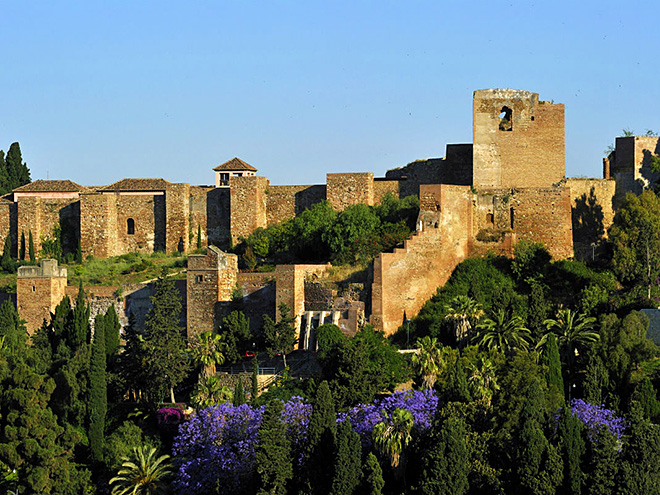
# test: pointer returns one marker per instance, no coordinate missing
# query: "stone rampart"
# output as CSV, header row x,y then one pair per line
x,y
284,202
592,202
344,190
248,205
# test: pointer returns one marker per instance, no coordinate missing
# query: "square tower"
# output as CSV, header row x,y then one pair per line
x,y
39,289
518,140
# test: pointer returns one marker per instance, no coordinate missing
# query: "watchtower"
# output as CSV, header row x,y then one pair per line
x,y
39,289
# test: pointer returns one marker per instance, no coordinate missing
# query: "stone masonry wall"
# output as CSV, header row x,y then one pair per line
x,y
42,215
344,190
382,187
284,202
6,227
248,205
527,152
39,289
592,213
148,214
177,220
405,279
197,214
98,225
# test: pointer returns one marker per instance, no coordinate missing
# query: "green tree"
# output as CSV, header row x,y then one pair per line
x,y
428,360
79,256
112,329
209,392
31,254
635,236
207,351
373,475
273,452
80,329
348,461
165,362
321,434
482,379
455,388
235,334
571,449
463,311
254,382
6,262
239,393
640,460
281,336
506,334
199,237
98,393
143,474
646,397
17,169
444,466
392,436
550,358
604,463
21,251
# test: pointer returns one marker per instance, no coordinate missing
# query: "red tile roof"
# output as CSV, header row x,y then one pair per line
x,y
51,186
235,164
137,185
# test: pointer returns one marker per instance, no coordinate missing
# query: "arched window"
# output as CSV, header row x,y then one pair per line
x,y
130,226
506,119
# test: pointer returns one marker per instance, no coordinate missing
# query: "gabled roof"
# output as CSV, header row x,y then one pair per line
x,y
235,164
51,186
137,185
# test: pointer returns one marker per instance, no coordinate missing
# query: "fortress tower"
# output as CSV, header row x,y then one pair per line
x,y
39,289
518,141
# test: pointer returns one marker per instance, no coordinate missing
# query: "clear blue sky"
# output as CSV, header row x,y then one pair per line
x,y
98,91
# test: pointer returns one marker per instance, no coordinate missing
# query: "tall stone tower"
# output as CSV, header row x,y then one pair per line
x,y
39,289
518,141
211,278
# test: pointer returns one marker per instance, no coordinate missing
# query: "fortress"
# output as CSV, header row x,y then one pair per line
x,y
508,185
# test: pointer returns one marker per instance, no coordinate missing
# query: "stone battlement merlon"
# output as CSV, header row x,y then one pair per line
x,y
46,269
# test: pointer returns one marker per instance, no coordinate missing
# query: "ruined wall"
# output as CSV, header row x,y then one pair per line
x,y
383,187
258,291
344,190
284,202
218,217
523,149
405,279
210,278
177,221
248,205
39,289
592,213
630,164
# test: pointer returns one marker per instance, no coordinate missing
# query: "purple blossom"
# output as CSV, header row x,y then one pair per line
x,y
169,415
594,417
422,404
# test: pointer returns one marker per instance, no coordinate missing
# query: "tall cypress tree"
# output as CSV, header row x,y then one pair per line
x,y
17,170
445,470
373,476
98,396
273,452
572,449
551,359
348,460
238,398
5,186
254,392
80,330
21,253
321,435
33,258
6,262
112,328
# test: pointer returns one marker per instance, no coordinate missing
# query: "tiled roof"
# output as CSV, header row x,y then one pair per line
x,y
51,186
137,185
235,164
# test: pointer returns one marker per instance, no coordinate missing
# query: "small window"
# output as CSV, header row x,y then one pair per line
x,y
490,218
199,278
34,289
130,226
506,119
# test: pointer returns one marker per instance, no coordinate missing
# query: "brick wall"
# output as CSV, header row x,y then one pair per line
x,y
405,279
248,205
592,212
350,189
531,154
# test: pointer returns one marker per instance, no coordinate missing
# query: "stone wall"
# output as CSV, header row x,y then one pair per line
x,y
527,150
6,214
177,220
630,164
405,279
98,225
197,214
592,213
344,190
248,205
284,202
39,289
384,186
210,278
42,215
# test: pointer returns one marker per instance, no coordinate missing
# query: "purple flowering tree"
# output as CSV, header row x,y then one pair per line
x,y
594,417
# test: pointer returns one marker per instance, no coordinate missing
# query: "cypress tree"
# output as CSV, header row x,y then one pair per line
x,y
551,360
373,475
112,327
199,236
321,434
640,460
80,330
31,247
79,257
445,470
6,261
21,254
254,393
239,394
17,170
348,460
572,448
4,175
604,464
98,398
456,388
273,452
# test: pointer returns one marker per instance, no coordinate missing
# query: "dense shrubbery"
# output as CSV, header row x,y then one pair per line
x,y
354,235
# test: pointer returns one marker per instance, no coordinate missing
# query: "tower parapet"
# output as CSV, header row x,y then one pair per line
x,y
39,289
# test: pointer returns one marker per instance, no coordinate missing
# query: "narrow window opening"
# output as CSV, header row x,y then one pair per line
x,y
490,218
130,226
199,278
511,213
34,289
506,119
532,118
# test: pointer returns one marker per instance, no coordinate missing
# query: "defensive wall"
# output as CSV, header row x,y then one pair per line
x,y
630,164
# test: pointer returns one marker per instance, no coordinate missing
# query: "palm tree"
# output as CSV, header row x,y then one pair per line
x,y
393,435
482,380
209,392
504,333
572,330
207,351
428,360
143,475
462,311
